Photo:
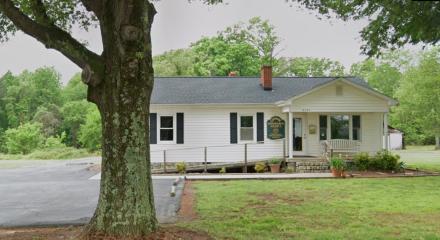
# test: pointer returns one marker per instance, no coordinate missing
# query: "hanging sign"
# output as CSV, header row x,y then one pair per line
x,y
275,128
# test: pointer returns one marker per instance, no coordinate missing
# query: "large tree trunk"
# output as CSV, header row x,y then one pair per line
x,y
126,207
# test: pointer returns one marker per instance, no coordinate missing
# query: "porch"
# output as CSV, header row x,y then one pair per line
x,y
318,135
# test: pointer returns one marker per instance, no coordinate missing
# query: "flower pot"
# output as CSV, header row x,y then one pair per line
x,y
275,168
336,173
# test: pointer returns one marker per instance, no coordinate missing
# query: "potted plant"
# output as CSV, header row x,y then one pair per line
x,y
275,165
338,166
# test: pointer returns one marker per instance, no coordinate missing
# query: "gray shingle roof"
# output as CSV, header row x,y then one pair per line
x,y
196,90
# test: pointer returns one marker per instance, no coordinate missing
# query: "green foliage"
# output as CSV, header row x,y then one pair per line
x,y
260,167
217,57
23,139
181,167
74,115
362,161
174,63
419,96
222,170
275,161
75,90
55,142
259,34
338,164
90,132
385,160
50,119
3,148
308,67
391,24
24,94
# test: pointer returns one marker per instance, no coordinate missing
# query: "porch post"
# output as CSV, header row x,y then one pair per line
x,y
385,131
290,136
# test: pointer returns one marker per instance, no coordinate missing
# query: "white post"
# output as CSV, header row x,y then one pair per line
x,y
290,121
385,131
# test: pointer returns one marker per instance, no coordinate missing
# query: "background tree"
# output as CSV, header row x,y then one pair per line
x,y
174,63
258,33
75,90
308,67
392,24
50,119
419,95
216,57
91,131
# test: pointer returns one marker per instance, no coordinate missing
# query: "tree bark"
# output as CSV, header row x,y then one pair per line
x,y
125,207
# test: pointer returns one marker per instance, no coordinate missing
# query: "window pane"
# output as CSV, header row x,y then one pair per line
x,y
246,134
166,122
323,127
246,121
340,127
166,135
356,127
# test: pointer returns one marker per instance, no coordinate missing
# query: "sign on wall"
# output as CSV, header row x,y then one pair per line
x,y
275,128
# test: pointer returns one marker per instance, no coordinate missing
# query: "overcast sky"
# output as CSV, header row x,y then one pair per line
x,y
179,23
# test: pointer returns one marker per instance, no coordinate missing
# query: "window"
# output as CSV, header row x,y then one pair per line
x,y
246,128
323,127
356,127
340,125
166,128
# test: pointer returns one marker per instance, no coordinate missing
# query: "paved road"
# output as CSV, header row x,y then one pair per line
x,y
60,192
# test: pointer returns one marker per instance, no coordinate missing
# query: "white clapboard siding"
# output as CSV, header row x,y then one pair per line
x,y
208,126
352,99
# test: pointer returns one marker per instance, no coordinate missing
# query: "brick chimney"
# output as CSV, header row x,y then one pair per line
x,y
266,77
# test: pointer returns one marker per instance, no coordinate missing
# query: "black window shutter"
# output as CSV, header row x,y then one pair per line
x,y
180,128
153,128
260,127
233,127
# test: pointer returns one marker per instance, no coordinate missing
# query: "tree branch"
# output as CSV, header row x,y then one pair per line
x,y
94,6
52,36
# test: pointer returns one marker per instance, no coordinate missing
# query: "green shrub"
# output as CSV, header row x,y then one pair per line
x,y
260,167
338,164
385,160
90,133
222,170
3,148
181,167
24,139
275,161
362,161
55,142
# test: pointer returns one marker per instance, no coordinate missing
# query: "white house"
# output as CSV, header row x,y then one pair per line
x,y
228,114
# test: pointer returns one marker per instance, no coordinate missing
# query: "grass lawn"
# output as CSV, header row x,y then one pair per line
x,y
423,157
397,208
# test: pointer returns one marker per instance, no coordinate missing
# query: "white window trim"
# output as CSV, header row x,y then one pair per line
x,y
159,128
254,122
350,125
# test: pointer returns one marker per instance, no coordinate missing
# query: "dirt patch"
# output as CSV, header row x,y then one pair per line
x,y
40,233
70,233
273,197
94,168
187,210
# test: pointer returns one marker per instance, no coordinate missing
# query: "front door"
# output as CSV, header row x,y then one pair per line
x,y
298,143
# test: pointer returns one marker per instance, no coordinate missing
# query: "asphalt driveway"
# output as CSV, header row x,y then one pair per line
x,y
40,193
